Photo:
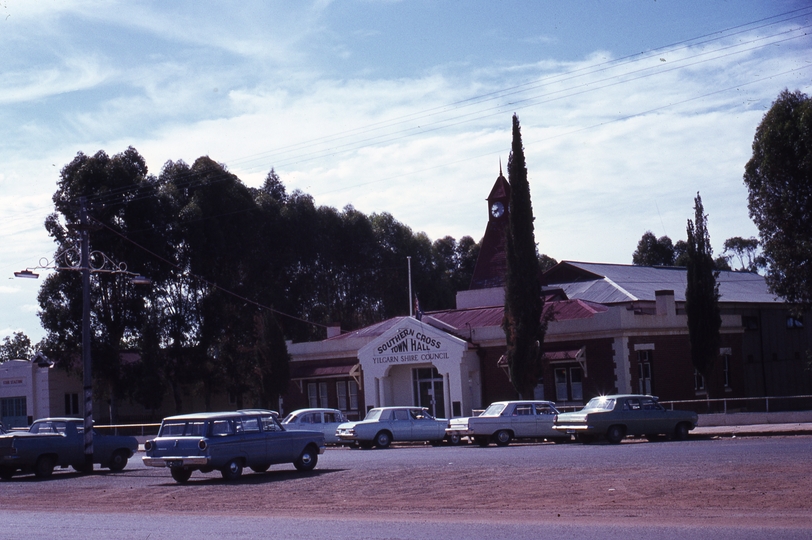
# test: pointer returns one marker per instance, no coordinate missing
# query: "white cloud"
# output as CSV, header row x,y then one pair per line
x,y
613,148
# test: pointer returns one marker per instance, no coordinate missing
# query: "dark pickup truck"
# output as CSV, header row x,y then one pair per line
x,y
51,442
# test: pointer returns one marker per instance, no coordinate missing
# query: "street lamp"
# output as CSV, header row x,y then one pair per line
x,y
88,262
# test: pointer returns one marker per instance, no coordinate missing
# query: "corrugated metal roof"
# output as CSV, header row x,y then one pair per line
x,y
492,316
371,331
617,283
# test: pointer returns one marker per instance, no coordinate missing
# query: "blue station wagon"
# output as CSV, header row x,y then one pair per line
x,y
229,442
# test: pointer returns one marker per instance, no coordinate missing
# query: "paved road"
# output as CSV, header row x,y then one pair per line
x,y
723,488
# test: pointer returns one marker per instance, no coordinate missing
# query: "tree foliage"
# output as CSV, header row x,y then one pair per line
x,y
746,251
653,251
702,293
16,347
779,179
523,325
236,271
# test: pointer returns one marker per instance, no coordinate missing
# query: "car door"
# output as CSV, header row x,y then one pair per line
x,y
425,427
523,420
545,414
332,419
280,446
252,443
656,419
632,416
225,442
401,425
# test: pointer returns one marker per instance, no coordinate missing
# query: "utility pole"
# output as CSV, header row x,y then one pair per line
x,y
87,376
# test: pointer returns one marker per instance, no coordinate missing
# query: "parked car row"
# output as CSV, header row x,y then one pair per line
x,y
230,442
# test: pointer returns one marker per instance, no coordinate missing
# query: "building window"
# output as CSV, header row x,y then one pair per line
x,y
795,322
644,371
576,384
699,381
352,386
312,395
726,370
341,393
324,402
561,391
71,404
750,322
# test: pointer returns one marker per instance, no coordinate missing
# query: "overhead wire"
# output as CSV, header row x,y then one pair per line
x,y
191,180
458,119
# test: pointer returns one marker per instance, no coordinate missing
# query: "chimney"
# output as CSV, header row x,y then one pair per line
x,y
665,303
333,330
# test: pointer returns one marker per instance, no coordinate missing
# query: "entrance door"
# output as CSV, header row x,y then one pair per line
x,y
429,390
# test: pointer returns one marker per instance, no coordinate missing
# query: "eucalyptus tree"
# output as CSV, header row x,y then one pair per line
x,y
117,190
16,346
778,177
653,251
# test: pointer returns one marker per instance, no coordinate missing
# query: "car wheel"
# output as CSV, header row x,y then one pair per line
x,y
44,467
232,470
615,434
383,439
482,441
119,460
260,468
681,431
455,439
6,473
180,475
307,460
502,437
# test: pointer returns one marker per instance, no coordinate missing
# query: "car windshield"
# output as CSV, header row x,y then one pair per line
x,y
494,409
600,404
373,414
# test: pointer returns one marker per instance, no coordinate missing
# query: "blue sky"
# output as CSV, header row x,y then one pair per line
x,y
628,108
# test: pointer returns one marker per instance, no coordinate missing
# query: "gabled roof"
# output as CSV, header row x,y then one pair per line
x,y
617,283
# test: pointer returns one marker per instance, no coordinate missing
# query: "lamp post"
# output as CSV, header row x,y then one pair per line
x,y
103,264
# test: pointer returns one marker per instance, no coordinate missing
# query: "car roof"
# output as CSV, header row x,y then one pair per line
x,y
314,409
623,396
401,407
222,414
524,401
59,419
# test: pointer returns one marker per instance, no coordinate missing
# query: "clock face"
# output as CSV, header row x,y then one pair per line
x,y
497,209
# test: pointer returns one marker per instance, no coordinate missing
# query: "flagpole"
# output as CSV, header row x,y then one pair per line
x,y
411,305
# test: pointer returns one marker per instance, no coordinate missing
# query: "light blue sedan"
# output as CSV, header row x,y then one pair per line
x,y
383,425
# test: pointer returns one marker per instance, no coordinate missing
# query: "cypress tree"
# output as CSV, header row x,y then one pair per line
x,y
702,294
522,323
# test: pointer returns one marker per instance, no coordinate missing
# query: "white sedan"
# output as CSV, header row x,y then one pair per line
x,y
325,421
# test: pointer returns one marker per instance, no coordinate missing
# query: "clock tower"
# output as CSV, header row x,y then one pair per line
x,y
492,264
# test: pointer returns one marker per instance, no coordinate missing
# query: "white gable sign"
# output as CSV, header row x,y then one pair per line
x,y
411,342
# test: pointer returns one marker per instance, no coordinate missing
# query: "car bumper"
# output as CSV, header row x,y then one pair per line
x,y
176,461
460,432
574,428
